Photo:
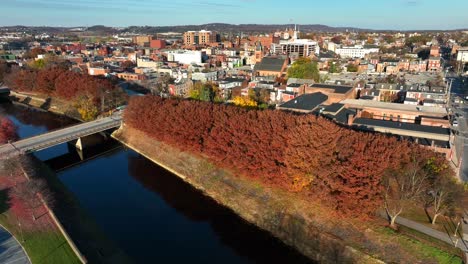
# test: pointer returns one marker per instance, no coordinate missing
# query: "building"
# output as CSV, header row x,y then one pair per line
x,y
305,103
462,54
272,67
180,87
265,41
202,37
435,51
433,64
356,51
128,76
425,135
157,44
395,112
300,47
98,71
145,62
143,41
335,93
185,56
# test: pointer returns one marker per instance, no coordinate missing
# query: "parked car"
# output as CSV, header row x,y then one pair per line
x,y
455,123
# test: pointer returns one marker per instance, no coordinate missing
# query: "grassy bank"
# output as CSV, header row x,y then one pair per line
x,y
46,245
304,224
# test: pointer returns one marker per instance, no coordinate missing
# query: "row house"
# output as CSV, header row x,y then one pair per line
x,y
180,87
434,96
433,64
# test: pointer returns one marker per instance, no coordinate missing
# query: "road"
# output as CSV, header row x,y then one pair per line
x,y
11,251
60,136
460,112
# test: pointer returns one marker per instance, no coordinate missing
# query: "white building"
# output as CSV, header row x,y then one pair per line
x,y
185,56
357,51
303,47
462,54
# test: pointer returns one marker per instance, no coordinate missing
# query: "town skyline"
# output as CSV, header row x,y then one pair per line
x,y
381,15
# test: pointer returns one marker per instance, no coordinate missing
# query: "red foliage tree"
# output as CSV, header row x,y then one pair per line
x,y
300,153
7,130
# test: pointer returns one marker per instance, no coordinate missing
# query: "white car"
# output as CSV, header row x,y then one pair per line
x,y
455,123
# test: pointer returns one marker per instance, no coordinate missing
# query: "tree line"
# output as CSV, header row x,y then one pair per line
x,y
353,172
53,78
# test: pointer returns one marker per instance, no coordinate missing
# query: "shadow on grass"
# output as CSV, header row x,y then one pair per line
x,y
4,201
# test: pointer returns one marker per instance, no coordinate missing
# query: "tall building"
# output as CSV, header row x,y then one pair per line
x,y
200,37
301,47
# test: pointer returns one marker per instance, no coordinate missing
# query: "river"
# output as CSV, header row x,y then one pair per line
x,y
150,214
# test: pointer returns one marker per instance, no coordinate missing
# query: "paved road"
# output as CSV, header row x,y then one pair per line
x,y
60,136
11,251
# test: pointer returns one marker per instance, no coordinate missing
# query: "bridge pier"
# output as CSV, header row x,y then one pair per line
x,y
89,141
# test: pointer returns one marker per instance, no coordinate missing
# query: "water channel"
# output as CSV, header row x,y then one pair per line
x,y
150,214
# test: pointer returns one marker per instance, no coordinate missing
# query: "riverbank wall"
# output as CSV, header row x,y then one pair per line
x,y
50,104
269,209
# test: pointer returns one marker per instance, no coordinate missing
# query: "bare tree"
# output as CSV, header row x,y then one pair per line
x,y
404,186
443,195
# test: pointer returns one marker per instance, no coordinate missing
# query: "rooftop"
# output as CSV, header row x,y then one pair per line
x,y
392,106
306,102
401,126
342,89
270,64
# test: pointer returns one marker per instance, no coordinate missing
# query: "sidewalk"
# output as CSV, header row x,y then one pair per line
x,y
11,251
432,233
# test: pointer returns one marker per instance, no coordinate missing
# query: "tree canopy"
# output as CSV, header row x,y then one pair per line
x,y
304,68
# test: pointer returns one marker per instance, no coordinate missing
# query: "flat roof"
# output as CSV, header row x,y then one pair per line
x,y
305,102
401,126
342,89
393,106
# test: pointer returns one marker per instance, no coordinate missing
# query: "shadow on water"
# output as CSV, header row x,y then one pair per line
x,y
245,239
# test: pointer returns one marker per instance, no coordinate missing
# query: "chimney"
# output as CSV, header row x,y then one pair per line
x,y
350,119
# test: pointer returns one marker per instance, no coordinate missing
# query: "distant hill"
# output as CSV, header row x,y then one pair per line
x,y
246,28
220,27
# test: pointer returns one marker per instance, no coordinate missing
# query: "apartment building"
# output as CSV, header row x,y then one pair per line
x,y
202,37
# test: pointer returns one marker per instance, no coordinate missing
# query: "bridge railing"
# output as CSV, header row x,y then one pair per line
x,y
62,128
63,139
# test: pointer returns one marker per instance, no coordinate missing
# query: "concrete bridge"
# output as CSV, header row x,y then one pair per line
x,y
77,132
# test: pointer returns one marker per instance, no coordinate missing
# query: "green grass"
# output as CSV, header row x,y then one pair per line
x,y
422,249
48,246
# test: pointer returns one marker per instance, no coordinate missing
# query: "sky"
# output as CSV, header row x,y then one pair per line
x,y
371,14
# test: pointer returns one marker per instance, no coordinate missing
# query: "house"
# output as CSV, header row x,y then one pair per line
x,y
181,87
433,64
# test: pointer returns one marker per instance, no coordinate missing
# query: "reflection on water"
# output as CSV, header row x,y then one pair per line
x,y
245,239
